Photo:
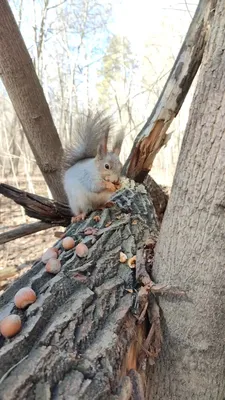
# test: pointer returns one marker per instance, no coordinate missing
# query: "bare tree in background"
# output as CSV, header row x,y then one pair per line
x,y
26,94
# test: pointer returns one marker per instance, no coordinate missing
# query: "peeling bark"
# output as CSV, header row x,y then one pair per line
x,y
81,337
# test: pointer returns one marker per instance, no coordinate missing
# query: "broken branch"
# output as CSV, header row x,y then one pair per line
x,y
153,135
38,207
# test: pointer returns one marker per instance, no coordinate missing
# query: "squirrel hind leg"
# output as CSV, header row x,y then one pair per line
x,y
79,217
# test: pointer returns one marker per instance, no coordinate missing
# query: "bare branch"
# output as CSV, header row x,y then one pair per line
x,y
24,230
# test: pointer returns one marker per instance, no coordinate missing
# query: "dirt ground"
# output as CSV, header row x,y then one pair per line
x,y
17,256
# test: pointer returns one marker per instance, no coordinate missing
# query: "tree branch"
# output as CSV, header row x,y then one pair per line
x,y
153,135
38,207
24,230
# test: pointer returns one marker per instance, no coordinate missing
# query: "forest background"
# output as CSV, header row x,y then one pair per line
x,y
89,53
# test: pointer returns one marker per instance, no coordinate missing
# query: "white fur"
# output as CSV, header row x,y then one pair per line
x,y
82,184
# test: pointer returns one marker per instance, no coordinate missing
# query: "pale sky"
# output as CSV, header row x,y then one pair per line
x,y
135,19
139,18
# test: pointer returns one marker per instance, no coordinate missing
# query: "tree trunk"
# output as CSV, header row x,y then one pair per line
x,y
80,338
25,92
191,251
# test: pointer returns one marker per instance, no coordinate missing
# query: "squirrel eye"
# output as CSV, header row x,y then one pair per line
x,y
106,166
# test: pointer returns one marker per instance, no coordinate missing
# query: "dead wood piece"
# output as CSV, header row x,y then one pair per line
x,y
152,345
153,135
38,207
24,230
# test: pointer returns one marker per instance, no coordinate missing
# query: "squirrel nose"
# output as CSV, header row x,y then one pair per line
x,y
116,181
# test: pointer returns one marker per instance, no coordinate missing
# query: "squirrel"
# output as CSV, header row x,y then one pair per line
x,y
91,173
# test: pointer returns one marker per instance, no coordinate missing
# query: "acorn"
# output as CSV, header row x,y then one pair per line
x,y
52,252
68,243
81,250
24,297
53,266
10,325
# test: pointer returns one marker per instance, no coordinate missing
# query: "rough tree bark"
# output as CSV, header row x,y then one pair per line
x,y
80,338
153,135
25,92
191,250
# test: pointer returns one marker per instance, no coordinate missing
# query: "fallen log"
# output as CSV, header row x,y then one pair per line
x,y
83,338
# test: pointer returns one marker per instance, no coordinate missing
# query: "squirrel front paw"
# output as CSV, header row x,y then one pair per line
x,y
110,186
77,218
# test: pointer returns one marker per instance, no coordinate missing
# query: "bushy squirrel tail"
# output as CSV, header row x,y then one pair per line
x,y
90,129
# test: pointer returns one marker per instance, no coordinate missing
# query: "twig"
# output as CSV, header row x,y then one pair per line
x,y
10,369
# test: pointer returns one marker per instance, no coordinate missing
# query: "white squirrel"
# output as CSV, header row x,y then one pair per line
x,y
91,171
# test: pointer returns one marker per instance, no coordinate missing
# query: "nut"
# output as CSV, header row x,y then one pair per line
x,y
10,325
24,297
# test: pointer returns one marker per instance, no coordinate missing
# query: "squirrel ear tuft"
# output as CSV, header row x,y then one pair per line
x,y
102,147
118,142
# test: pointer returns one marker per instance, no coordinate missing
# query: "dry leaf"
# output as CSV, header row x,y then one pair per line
x,y
96,218
134,222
